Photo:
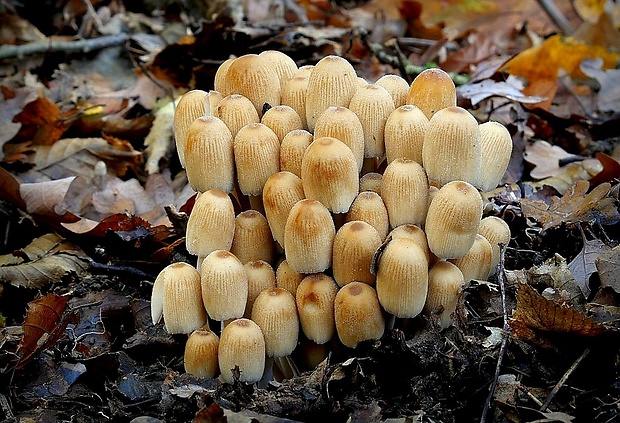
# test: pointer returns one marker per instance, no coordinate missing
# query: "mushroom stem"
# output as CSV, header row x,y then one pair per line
x,y
390,320
268,373
287,366
256,203
242,199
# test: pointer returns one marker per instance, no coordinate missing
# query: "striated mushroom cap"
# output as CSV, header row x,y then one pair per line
x,y
445,283
280,193
292,150
315,298
200,355
242,346
354,248
343,124
224,284
357,314
496,145
404,133
405,191
431,91
275,312
257,156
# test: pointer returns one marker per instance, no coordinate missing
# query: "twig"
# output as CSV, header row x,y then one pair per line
x,y
9,51
505,333
564,378
556,16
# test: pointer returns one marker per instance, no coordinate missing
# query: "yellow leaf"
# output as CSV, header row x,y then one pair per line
x,y
544,61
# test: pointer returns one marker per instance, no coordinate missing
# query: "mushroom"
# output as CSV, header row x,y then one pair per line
x,y
200,355
369,207
219,80
309,237
252,239
405,190
236,111
496,144
275,312
241,351
284,66
451,150
294,93
354,248
453,219
332,82
404,133
341,123
496,231
282,119
414,232
431,91
445,284
287,278
315,298
209,160
329,174
357,314
371,181
177,297
476,264
261,276
292,149
211,224
280,193
397,86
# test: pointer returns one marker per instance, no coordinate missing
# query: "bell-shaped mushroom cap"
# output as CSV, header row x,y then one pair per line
x,y
445,283
292,150
341,123
236,111
275,312
332,82
476,264
282,119
192,105
257,156
402,278
496,231
354,248
397,86
373,105
287,278
329,174
284,66
261,276
496,144
358,314
371,181
224,285
252,239
453,219
211,223
200,356
404,133
281,191
220,81
242,346
309,237
176,295
294,93
413,232
405,191
209,160
369,207
431,91
315,304
451,150
254,77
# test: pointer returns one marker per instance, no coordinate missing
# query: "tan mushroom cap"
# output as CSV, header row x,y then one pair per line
x,y
496,231
284,66
236,111
451,150
453,219
369,207
405,191
192,105
397,86
200,355
224,283
332,82
257,156
252,239
209,160
315,298
496,144
445,284
261,276
414,232
294,93
280,193
220,81
343,124
242,346
292,150
402,278
309,237
274,310
354,248
329,174
371,181
476,264
358,314
282,119
287,278
177,297
404,133
431,91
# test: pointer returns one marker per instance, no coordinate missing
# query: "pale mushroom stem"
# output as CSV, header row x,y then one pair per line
x,y
390,321
199,261
242,199
224,323
287,366
268,373
256,203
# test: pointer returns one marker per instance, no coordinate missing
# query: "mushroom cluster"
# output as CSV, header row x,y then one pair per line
x,y
327,206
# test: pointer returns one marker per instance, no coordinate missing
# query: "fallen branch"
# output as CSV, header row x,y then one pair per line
x,y
556,16
505,333
84,46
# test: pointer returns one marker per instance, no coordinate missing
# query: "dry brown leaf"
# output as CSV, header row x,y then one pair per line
x,y
546,159
12,105
608,96
45,260
536,313
510,89
577,205
608,266
584,263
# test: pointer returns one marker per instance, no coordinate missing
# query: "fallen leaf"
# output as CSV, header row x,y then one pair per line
x,y
546,159
608,96
12,105
46,198
45,260
160,141
510,89
577,205
608,266
584,263
42,122
611,169
589,10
